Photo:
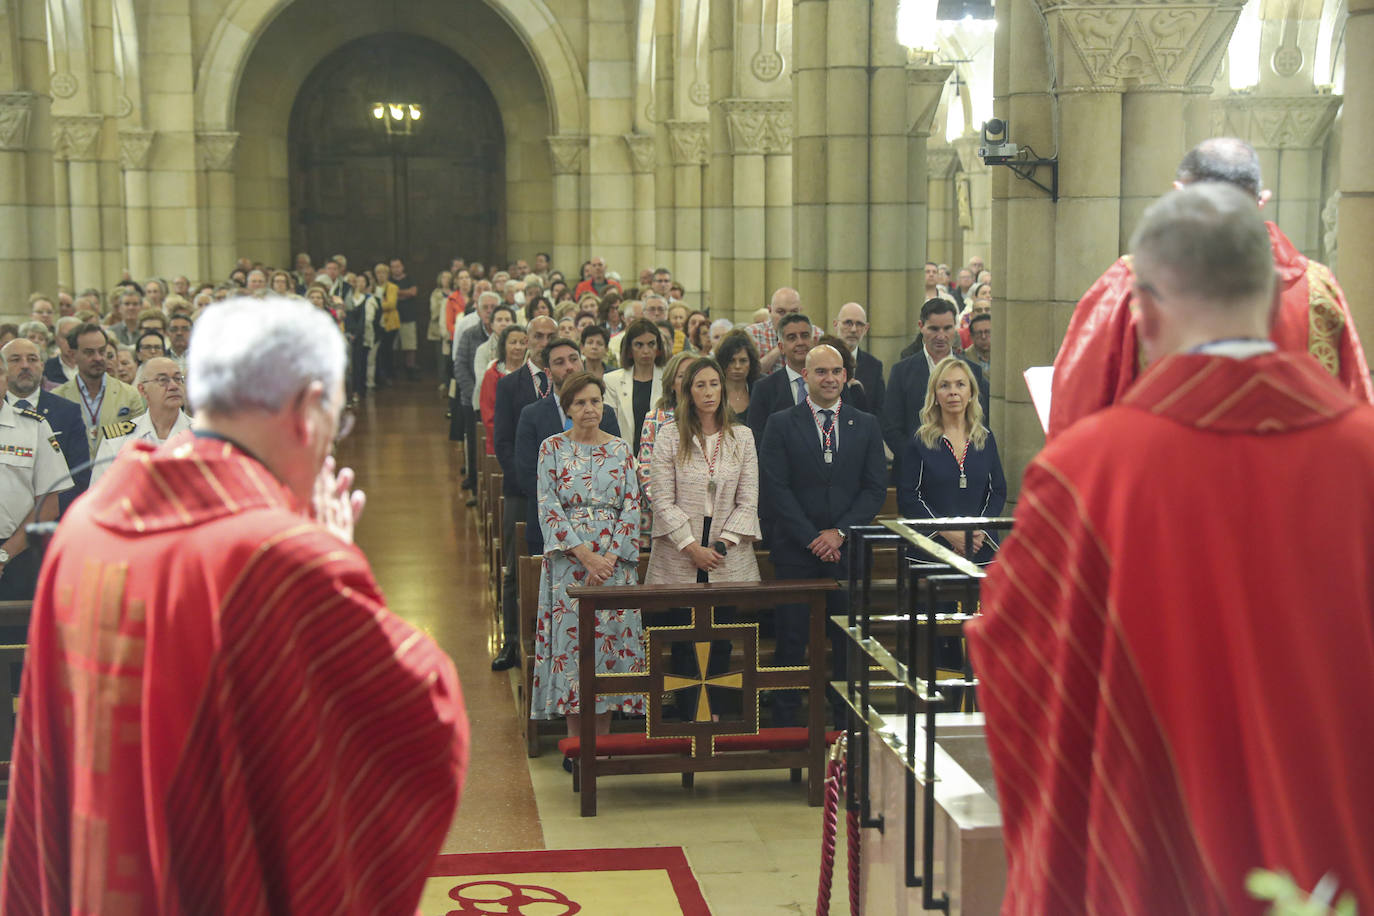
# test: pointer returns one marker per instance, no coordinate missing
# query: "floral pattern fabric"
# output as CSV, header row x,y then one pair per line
x,y
588,494
648,433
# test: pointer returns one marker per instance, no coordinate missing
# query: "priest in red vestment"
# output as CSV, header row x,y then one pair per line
x,y
218,712
1176,651
1100,357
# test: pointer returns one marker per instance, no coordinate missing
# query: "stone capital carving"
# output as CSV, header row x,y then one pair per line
x,y
925,83
215,149
568,154
1123,46
76,137
758,126
641,152
134,145
941,161
689,142
1276,122
16,113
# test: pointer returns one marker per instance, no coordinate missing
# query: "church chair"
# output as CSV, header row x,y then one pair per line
x,y
529,616
496,549
14,627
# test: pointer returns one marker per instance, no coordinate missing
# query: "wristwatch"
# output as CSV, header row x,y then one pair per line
x,y
843,537
4,556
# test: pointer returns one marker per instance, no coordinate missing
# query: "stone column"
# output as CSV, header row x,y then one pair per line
x,y
895,136
665,53
925,83
777,201
568,155
976,180
690,149
76,149
1355,213
1122,78
942,206
16,247
134,146
642,164
215,158
758,139
1289,133
809,104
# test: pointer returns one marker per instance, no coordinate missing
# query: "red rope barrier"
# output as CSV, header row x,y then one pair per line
x,y
854,841
834,788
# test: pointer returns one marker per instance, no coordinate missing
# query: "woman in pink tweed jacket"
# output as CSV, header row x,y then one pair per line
x,y
683,494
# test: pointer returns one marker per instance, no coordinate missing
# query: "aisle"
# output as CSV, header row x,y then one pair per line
x,y
423,547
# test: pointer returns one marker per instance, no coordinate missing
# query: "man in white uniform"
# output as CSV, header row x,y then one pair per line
x,y
31,467
163,386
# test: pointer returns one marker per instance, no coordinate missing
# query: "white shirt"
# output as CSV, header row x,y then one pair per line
x,y
792,376
143,431
31,464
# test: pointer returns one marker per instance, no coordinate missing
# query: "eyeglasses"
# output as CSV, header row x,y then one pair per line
x,y
853,323
150,348
162,381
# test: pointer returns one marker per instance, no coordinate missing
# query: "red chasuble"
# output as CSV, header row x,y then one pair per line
x,y
218,713
1100,357
1176,653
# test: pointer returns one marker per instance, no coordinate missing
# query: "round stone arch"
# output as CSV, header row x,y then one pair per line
x,y
258,84
244,21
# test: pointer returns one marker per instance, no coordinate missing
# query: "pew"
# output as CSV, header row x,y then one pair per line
x,y
705,749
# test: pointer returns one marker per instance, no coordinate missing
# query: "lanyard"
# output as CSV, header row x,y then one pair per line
x,y
827,445
92,412
711,466
963,480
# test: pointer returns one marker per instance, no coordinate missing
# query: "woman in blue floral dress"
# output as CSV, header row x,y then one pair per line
x,y
589,512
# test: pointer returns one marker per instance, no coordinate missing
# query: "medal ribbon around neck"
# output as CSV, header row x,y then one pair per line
x,y
826,445
963,480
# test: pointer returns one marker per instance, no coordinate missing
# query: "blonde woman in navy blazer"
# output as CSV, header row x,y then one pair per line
x,y
950,466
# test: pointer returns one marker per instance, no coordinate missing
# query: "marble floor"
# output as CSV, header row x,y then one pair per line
x,y
752,841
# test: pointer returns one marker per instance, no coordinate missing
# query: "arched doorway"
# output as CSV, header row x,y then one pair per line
x,y
426,197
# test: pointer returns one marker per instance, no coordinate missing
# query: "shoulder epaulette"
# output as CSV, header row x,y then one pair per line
x,y
31,414
117,429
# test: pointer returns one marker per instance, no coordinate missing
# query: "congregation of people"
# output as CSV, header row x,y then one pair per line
x,y
626,420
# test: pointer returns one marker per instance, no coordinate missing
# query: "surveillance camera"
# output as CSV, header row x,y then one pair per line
x,y
996,150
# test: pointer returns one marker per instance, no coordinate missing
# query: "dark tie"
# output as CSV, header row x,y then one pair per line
x,y
828,427
543,385
23,404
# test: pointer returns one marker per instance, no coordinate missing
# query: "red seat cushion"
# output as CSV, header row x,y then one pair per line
x,y
627,745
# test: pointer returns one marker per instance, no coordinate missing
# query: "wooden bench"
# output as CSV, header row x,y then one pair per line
x,y
702,732
768,740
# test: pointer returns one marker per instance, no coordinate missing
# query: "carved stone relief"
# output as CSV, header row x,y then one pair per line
x,y
16,112
1277,122
215,150
689,142
76,137
134,146
1120,46
758,126
1330,226
567,154
641,152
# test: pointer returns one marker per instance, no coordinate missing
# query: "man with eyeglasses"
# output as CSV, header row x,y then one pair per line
x,y
163,386
218,706
851,325
23,372
103,399
151,344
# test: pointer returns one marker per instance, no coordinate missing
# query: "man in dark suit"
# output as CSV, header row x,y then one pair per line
x,y
851,324
519,388
906,389
542,419
785,389
61,368
24,376
823,471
